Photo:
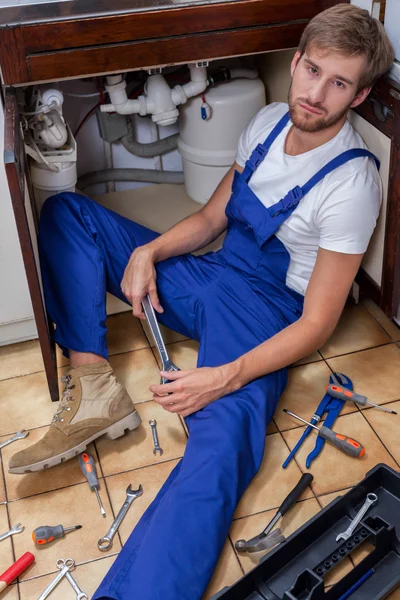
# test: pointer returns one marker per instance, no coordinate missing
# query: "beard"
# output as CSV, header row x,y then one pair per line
x,y
311,123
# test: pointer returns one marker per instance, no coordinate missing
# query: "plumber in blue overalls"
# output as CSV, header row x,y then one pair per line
x,y
302,175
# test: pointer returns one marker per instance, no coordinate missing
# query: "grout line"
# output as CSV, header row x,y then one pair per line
x,y
379,323
272,508
358,351
380,439
236,554
161,462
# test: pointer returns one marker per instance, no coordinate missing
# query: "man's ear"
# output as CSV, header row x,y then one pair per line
x,y
360,97
294,62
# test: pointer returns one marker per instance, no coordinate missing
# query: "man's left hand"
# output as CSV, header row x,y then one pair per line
x,y
192,390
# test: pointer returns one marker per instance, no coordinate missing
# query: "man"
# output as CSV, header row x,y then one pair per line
x,y
305,198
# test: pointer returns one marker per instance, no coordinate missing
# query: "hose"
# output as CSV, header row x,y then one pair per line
x,y
148,150
147,175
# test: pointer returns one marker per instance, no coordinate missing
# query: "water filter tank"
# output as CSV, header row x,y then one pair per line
x,y
208,147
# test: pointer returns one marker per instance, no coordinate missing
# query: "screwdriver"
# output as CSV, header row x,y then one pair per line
x,y
47,533
344,394
89,470
342,442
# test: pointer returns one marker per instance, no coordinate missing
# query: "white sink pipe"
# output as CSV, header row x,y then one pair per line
x,y
159,100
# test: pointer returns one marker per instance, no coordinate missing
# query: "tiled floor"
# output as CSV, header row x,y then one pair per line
x,y
365,346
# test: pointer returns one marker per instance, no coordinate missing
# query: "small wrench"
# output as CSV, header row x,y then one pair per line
x,y
105,542
65,566
18,528
79,594
370,500
166,362
157,447
18,436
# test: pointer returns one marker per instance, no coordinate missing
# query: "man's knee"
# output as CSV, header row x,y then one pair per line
x,y
61,204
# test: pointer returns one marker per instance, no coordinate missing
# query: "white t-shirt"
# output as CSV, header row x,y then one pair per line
x,y
338,214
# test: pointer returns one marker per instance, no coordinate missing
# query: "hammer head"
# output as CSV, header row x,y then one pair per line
x,y
260,542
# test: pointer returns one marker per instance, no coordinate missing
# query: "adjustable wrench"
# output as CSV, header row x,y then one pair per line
x,y
105,542
370,500
166,362
18,436
18,528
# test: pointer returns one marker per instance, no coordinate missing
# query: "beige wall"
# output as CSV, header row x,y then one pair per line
x,y
274,69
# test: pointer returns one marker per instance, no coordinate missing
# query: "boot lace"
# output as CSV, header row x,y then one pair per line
x,y
65,400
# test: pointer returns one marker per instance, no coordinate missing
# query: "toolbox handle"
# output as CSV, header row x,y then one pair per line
x,y
296,492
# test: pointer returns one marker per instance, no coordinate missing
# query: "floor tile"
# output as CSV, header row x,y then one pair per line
x,y
387,427
334,470
184,354
150,478
137,371
2,487
298,515
304,392
124,333
87,576
169,336
272,483
6,554
327,498
25,403
356,330
226,573
374,372
22,486
20,359
388,325
135,449
11,593
75,505
313,357
272,428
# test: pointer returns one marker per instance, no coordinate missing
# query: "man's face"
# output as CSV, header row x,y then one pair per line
x,y
324,86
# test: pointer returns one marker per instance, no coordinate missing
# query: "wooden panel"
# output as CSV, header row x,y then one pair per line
x,y
14,158
126,57
12,56
163,23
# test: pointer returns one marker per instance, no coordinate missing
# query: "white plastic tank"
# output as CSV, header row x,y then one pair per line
x,y
208,148
47,183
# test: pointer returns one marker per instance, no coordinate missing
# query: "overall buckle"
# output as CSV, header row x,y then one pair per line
x,y
257,156
292,198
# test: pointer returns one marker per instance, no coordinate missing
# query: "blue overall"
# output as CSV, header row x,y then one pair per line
x,y
230,301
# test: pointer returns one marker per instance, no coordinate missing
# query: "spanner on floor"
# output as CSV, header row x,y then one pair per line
x,y
79,594
18,528
166,362
65,566
105,542
369,501
157,447
18,436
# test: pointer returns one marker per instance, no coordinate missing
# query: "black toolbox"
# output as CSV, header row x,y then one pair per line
x,y
295,569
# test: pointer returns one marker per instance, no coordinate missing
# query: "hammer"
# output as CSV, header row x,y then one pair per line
x,y
266,539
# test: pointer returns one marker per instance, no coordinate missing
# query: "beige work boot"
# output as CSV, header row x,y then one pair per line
x,y
98,405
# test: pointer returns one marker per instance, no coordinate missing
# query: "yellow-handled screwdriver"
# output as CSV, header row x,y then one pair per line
x,y
342,442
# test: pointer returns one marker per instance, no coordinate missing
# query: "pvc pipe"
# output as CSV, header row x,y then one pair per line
x,y
147,175
148,150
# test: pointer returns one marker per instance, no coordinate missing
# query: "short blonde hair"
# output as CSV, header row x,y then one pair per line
x,y
351,31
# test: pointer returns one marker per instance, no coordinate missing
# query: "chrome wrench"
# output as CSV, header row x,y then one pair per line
x,y
369,501
166,362
18,436
105,542
18,528
79,594
157,447
65,566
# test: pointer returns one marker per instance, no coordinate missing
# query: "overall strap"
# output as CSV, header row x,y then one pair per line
x,y
292,198
261,150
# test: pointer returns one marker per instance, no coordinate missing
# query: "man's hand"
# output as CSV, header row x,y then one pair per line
x,y
140,279
192,390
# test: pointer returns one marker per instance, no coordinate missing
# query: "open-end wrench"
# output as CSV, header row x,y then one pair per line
x,y
157,447
18,436
18,528
166,362
105,542
79,594
369,501
65,566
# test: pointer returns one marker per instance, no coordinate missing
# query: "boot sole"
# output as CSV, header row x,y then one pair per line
x,y
114,431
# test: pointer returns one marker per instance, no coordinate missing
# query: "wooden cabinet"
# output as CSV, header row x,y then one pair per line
x,y
79,38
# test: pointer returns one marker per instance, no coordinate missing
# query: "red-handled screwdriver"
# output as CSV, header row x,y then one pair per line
x,y
336,391
342,442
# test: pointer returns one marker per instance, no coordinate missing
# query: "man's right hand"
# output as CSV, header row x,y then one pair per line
x,y
140,279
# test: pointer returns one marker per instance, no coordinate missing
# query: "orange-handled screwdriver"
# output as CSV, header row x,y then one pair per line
x,y
47,533
88,468
342,442
336,391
